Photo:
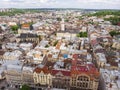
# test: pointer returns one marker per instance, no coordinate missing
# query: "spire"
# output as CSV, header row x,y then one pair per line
x,y
62,25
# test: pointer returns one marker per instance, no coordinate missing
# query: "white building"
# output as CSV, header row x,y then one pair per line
x,y
101,59
110,79
63,25
37,56
14,74
26,46
27,75
14,55
2,74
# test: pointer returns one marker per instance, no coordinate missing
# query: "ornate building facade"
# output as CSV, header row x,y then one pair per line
x,y
84,76
42,77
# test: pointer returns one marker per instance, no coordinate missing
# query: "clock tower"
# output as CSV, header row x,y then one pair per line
x,y
63,25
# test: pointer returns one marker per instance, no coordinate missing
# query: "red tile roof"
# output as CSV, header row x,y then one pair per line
x,y
75,56
44,69
80,67
65,73
26,25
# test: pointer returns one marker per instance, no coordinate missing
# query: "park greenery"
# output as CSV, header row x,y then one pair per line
x,y
66,20
15,28
47,46
25,87
114,33
82,34
80,17
91,22
105,12
13,12
114,20
59,19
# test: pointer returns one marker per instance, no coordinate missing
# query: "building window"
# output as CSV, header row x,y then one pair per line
x,y
82,82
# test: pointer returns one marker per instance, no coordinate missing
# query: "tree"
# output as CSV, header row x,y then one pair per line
x,y
59,19
82,34
55,43
114,20
80,18
31,27
106,12
66,20
113,33
15,28
47,46
25,87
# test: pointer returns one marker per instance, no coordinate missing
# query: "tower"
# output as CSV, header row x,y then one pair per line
x,y
62,25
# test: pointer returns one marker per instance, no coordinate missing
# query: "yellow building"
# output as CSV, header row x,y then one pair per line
x,y
42,77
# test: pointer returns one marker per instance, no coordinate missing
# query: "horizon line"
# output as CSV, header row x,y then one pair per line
x,y
59,8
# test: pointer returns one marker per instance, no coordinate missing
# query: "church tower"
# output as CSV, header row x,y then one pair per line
x,y
63,25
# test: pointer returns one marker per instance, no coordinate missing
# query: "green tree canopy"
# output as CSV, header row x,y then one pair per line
x,y
14,28
59,19
114,20
55,43
105,12
13,12
113,33
47,46
66,20
82,34
25,87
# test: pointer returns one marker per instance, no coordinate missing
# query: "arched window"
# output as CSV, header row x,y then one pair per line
x,y
83,82
83,78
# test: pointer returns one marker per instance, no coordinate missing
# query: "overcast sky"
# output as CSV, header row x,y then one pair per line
x,y
86,4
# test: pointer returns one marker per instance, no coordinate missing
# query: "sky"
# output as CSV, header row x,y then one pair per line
x,y
84,4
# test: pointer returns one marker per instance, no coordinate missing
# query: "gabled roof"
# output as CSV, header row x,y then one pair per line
x,y
44,70
63,72
27,35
